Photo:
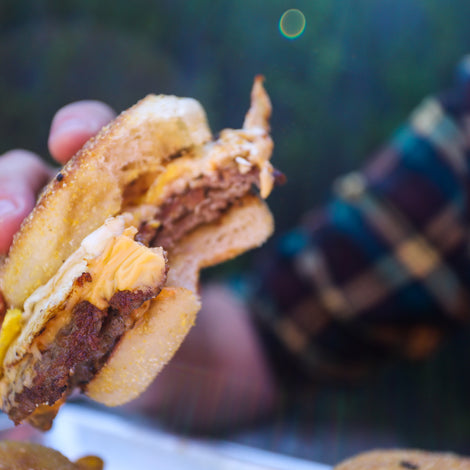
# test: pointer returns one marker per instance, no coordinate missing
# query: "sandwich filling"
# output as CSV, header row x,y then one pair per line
x,y
70,325
198,187
200,204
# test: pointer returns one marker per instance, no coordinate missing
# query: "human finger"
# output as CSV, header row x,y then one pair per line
x,y
22,175
74,124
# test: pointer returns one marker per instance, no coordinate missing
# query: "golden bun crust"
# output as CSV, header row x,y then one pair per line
x,y
403,459
143,351
90,188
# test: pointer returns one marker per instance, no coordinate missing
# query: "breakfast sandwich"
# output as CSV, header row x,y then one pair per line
x,y
100,285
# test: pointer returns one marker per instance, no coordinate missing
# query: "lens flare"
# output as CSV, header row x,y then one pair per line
x,y
292,23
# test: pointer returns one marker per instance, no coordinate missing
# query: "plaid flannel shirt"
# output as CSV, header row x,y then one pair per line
x,y
384,269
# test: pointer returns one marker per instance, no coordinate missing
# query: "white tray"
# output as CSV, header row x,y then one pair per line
x,y
125,445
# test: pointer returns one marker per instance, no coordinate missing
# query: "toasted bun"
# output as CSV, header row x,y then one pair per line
x,y
144,350
27,455
404,459
91,187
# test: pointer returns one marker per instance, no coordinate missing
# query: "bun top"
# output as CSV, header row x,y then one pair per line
x,y
93,185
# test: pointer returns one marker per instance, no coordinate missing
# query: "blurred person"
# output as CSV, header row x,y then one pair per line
x,y
381,271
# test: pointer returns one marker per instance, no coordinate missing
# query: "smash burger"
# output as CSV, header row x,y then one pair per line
x,y
100,285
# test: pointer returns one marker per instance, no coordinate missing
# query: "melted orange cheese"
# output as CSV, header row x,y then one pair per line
x,y
123,265
173,172
10,330
109,262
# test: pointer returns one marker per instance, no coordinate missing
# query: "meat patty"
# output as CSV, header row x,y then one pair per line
x,y
203,202
78,352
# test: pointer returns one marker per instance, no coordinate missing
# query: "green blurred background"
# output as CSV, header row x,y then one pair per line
x,y
338,90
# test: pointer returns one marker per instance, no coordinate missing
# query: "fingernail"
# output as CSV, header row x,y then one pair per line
x,y
7,207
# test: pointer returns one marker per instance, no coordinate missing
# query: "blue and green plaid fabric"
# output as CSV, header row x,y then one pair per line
x,y
384,269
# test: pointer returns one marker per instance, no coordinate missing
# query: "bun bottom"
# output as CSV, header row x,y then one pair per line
x,y
146,348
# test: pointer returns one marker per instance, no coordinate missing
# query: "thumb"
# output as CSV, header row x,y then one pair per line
x,y
22,175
